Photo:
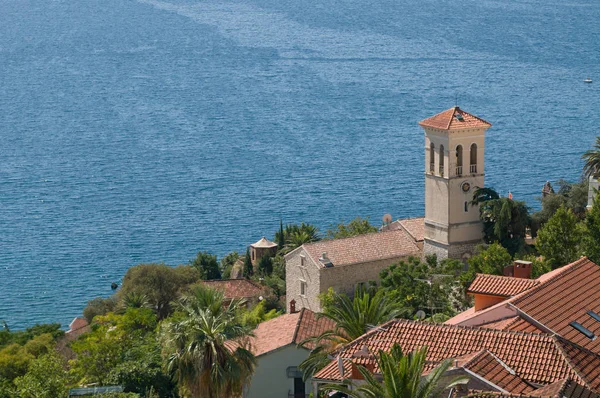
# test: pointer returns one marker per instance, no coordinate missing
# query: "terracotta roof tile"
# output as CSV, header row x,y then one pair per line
x,y
497,285
415,227
448,120
566,388
237,288
287,329
535,357
564,298
364,248
491,368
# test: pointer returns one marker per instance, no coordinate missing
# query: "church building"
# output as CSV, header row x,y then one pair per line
x,y
451,228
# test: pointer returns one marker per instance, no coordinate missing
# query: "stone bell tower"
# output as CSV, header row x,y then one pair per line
x,y
454,167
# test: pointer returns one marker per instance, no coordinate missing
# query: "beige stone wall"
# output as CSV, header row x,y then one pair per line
x,y
294,274
344,279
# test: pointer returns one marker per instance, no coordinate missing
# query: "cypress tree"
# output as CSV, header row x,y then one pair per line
x,y
281,237
248,270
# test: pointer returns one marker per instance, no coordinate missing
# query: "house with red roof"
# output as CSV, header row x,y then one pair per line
x,y
275,345
523,337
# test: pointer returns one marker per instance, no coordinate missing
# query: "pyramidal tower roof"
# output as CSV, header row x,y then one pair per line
x,y
264,243
454,119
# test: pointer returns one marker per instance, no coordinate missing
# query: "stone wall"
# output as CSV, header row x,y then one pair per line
x,y
295,273
462,251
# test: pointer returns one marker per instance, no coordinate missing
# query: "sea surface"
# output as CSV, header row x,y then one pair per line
x,y
146,131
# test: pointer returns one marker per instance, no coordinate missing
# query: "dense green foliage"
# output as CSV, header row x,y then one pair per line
x,y
504,220
160,283
572,196
207,265
402,377
295,235
195,349
559,240
591,167
358,226
227,264
428,286
248,268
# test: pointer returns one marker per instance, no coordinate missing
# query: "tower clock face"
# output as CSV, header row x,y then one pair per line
x,y
465,186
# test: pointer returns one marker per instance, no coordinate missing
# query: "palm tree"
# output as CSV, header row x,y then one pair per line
x,y
591,167
133,300
206,350
401,377
353,318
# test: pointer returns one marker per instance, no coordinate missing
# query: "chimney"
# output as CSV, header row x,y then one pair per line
x,y
522,269
293,307
325,261
363,357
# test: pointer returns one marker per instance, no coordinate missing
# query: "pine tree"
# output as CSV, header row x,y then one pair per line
x,y
248,270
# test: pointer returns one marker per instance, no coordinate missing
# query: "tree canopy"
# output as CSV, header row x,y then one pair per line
x,y
358,226
559,240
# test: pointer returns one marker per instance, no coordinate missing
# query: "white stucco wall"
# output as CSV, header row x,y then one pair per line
x,y
270,378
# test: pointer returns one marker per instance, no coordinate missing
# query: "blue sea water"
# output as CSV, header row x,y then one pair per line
x,y
145,131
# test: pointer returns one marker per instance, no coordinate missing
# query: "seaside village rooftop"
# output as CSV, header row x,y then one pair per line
x,y
523,336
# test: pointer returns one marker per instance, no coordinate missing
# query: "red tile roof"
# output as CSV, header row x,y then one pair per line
x,y
566,388
498,285
364,248
515,323
447,120
561,297
537,358
491,368
415,227
288,329
237,288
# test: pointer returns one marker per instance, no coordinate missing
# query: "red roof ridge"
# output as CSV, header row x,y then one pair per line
x,y
295,335
565,269
558,339
446,117
346,238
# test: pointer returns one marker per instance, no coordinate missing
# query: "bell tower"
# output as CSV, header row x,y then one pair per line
x,y
454,167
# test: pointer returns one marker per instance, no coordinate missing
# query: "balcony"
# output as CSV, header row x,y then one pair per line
x,y
432,168
473,169
441,170
458,170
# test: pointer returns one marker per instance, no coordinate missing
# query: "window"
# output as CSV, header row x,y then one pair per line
x,y
459,161
302,288
583,330
302,260
252,254
442,160
466,207
594,315
473,158
431,158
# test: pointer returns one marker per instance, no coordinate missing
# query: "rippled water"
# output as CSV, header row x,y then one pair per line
x,y
146,131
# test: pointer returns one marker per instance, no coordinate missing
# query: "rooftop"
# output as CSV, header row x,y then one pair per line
x,y
237,288
454,119
288,329
364,248
264,243
498,285
536,358
565,295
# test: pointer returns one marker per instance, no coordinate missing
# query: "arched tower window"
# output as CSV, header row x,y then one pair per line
x,y
459,162
442,160
431,158
473,158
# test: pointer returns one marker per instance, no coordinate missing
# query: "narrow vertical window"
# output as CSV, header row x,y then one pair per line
x,y
466,206
473,158
431,158
302,288
442,160
459,160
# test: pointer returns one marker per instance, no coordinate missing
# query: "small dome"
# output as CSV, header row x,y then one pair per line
x,y
264,243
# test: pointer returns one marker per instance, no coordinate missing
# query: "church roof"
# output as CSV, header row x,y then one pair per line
x,y
454,119
264,243
363,248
